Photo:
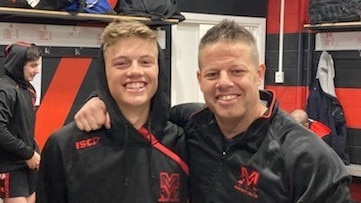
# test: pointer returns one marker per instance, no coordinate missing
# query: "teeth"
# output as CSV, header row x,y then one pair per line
x,y
227,97
135,85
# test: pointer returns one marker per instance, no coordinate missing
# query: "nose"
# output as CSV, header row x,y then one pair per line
x,y
135,70
37,70
224,80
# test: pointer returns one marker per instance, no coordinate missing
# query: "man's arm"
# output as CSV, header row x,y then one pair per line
x,y
13,144
181,114
92,115
8,141
317,173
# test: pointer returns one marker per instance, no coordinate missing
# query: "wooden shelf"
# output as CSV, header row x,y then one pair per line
x,y
354,169
62,17
341,26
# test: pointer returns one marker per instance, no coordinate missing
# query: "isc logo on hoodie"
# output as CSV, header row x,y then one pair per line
x,y
89,142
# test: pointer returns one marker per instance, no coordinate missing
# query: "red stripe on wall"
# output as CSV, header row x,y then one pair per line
x,y
350,100
60,95
295,15
291,97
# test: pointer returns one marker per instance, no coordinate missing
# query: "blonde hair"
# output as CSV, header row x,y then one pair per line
x,y
124,29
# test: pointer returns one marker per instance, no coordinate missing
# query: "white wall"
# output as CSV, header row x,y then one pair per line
x,y
334,41
185,39
50,35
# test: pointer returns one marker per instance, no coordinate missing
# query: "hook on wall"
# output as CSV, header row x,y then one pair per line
x,y
77,51
47,50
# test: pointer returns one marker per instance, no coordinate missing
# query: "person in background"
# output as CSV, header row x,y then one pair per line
x,y
19,158
242,146
140,159
300,116
320,129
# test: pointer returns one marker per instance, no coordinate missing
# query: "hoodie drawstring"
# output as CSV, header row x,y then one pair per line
x,y
125,146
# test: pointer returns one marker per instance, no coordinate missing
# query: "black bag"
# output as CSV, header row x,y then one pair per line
x,y
323,11
56,4
15,3
156,10
84,6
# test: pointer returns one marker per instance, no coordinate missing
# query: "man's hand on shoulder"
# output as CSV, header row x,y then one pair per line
x,y
92,116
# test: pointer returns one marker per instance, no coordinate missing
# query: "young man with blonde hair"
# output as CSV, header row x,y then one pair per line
x,y
141,158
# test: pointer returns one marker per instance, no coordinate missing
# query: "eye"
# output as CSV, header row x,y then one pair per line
x,y
146,62
237,71
122,64
211,75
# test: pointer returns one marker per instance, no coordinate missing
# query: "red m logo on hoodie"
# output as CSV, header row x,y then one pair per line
x,y
248,182
169,186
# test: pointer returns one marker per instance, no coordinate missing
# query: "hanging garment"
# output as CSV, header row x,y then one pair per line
x,y
326,73
323,106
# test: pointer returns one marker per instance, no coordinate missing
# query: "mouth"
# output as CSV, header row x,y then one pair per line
x,y
226,97
135,86
31,77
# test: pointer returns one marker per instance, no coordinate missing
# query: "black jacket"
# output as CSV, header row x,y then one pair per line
x,y
17,112
327,109
116,165
275,160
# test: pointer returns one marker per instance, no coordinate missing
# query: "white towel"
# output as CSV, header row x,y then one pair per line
x,y
326,73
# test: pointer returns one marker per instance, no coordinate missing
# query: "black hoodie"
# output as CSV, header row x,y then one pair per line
x,y
116,165
17,115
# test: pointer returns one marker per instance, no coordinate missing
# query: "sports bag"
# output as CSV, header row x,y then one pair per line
x,y
85,6
156,10
323,11
91,6
54,4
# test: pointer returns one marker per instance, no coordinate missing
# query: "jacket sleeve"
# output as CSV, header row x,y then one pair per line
x,y
51,187
8,141
317,174
180,114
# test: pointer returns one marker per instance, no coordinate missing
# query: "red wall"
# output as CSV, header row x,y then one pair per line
x,y
295,12
60,96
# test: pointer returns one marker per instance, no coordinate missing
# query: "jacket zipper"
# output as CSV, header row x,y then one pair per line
x,y
220,168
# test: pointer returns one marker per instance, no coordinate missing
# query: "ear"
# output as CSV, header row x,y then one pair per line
x,y
261,71
199,77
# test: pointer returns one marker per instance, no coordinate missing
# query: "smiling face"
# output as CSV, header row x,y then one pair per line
x,y
31,69
229,80
131,67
